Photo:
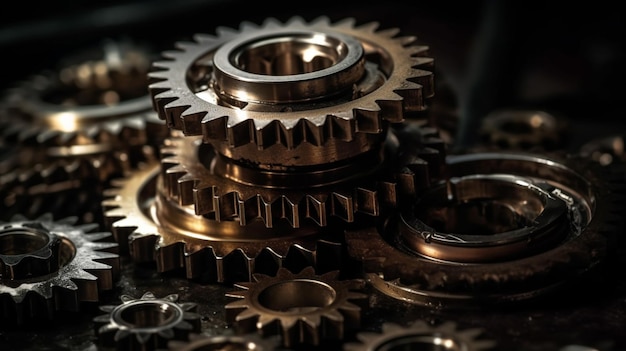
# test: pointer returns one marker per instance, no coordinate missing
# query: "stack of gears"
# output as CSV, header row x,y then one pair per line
x,y
298,162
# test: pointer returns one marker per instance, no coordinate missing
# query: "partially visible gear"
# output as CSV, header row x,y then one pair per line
x,y
50,266
421,275
76,128
146,323
527,130
304,308
246,342
194,174
313,88
419,335
152,227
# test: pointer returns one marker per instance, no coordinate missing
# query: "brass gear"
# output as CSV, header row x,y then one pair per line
x,y
194,174
421,335
398,270
50,266
152,227
304,308
146,323
237,89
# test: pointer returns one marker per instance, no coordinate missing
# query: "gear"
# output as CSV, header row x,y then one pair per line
x,y
146,323
247,342
302,307
152,227
196,175
315,88
420,276
50,266
421,335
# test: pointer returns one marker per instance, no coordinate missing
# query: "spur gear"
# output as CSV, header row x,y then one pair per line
x,y
194,174
50,266
315,88
301,307
246,342
146,323
152,227
446,248
420,335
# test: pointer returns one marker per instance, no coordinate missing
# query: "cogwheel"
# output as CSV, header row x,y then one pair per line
x,y
464,242
290,84
420,335
247,342
146,323
50,266
194,174
302,307
151,227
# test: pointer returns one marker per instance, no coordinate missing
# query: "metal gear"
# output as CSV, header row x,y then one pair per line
x,y
300,88
420,335
50,266
194,174
423,276
152,227
304,308
146,323
247,342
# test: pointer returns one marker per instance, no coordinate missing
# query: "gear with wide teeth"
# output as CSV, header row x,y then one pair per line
x,y
50,266
420,335
304,308
465,242
151,227
291,83
247,342
194,174
146,323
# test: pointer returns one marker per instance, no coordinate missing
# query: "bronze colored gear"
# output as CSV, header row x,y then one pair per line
x,y
420,335
151,227
302,307
50,266
194,174
594,220
146,323
247,342
239,91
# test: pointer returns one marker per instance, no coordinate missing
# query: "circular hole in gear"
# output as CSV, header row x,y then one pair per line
x,y
281,56
297,296
147,315
22,241
427,342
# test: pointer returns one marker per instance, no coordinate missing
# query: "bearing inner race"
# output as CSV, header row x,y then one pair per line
x,y
288,66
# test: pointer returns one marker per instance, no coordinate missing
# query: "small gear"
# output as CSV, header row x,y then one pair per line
x,y
305,86
152,227
304,308
146,323
247,342
421,276
50,266
420,335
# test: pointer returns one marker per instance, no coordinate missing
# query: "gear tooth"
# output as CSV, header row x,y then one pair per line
x,y
316,210
342,206
167,55
421,62
389,32
340,128
409,42
295,21
347,23
367,201
266,133
368,121
192,119
207,201
425,80
181,46
313,132
369,27
248,26
169,256
215,128
321,21
272,22
223,31
204,38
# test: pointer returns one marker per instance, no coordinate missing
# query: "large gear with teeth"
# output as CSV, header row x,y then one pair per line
x,y
305,86
548,221
52,266
153,228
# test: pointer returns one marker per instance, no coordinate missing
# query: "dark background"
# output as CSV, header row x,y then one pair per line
x,y
563,58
